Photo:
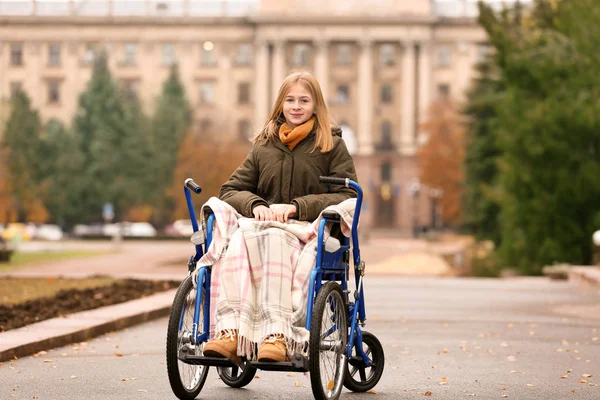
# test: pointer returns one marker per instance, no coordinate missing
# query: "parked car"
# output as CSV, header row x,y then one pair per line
x,y
183,227
49,232
17,232
138,229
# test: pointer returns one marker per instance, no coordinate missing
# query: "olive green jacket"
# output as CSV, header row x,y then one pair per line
x,y
273,174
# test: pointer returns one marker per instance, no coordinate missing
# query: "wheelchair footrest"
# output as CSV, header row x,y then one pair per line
x,y
298,364
209,361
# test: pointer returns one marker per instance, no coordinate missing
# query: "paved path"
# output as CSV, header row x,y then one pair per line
x,y
525,339
383,254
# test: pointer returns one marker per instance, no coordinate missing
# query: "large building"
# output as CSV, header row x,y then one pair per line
x,y
380,64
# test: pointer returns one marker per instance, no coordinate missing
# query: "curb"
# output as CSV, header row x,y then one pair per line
x,y
79,327
585,275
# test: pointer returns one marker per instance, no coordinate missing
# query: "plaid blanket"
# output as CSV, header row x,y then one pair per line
x,y
261,274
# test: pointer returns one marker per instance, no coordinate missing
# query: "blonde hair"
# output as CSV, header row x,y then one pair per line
x,y
324,139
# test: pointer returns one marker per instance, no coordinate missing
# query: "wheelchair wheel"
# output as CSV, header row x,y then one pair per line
x,y
359,377
237,377
186,380
328,336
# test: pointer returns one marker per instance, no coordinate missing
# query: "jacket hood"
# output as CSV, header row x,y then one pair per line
x,y
336,130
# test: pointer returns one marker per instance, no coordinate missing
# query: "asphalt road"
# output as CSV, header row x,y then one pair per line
x,y
444,338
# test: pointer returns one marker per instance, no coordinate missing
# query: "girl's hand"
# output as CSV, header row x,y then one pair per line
x,y
263,213
282,212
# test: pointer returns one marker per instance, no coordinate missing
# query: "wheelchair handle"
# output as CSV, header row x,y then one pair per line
x,y
193,186
334,180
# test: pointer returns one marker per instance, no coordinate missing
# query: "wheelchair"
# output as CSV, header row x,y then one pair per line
x,y
340,353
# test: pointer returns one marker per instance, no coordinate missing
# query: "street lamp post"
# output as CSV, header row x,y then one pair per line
x,y
414,190
435,194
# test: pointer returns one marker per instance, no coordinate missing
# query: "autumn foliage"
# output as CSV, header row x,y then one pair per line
x,y
441,158
210,162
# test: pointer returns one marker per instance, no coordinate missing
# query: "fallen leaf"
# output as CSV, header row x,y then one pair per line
x,y
290,374
569,371
530,385
372,391
118,354
256,376
427,393
565,342
564,376
573,391
73,376
47,361
142,390
298,384
583,381
592,384
502,388
504,396
587,375
124,379
330,385
514,372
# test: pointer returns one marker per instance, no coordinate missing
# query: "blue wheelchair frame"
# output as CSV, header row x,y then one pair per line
x,y
329,267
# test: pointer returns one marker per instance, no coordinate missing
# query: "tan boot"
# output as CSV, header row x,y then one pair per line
x,y
223,346
273,349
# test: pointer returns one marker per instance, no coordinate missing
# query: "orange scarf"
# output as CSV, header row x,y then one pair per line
x,y
291,137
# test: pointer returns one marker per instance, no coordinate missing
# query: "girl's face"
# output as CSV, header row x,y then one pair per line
x,y
298,106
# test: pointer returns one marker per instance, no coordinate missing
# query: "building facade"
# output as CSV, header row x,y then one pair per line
x,y
380,64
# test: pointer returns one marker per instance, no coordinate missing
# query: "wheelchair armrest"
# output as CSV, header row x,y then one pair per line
x,y
332,216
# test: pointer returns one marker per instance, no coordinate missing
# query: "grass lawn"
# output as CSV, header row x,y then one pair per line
x,y
17,290
20,259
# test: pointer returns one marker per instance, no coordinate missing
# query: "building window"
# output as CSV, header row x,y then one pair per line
x,y
386,136
15,87
168,54
130,54
342,94
387,93
16,54
91,51
244,55
444,56
386,172
483,50
53,92
443,90
131,89
343,54
387,55
54,54
243,93
300,58
244,129
206,93
208,57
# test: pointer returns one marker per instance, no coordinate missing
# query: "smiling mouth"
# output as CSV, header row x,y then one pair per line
x,y
296,115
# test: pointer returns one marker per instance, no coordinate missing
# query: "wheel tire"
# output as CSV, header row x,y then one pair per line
x,y
186,294
330,296
370,376
237,377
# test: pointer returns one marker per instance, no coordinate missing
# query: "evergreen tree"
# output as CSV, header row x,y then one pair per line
x,y
64,180
548,127
104,133
481,192
22,146
172,119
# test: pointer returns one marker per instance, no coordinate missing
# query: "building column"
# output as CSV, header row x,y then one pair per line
x,y
365,98
278,74
261,83
322,66
407,115
425,79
